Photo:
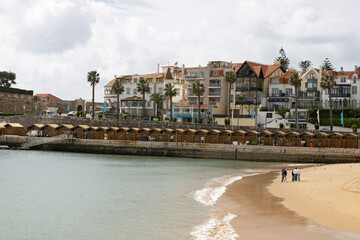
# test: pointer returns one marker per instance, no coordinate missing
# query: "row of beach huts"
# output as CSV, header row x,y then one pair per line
x,y
279,138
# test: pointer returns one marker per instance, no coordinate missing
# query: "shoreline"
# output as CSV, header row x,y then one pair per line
x,y
260,214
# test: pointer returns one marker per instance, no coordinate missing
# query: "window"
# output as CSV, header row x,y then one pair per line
x,y
135,80
343,79
134,91
149,104
275,80
126,80
353,103
182,81
354,80
354,89
158,80
312,75
311,85
288,91
275,92
231,98
327,91
201,74
216,73
128,91
160,90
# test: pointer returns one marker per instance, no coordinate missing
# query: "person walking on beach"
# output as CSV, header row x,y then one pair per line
x,y
296,172
292,175
283,175
298,176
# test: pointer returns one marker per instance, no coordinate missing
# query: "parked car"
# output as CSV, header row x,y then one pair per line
x,y
72,113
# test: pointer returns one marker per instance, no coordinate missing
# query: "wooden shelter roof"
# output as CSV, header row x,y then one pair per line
x,y
126,129
69,126
350,135
227,132
320,134
239,132
104,128
279,133
36,125
252,132
190,130
180,130
114,128
335,134
292,133
14,125
85,127
202,131
169,130
94,128
156,130
145,130
214,131
266,133
307,134
133,129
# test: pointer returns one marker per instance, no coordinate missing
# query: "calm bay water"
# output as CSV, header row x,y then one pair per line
x,y
54,195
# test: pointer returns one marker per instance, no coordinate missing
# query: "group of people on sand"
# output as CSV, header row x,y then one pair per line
x,y
295,175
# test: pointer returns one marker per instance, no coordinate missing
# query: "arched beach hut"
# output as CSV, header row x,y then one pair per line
x,y
293,139
166,134
335,140
63,129
252,137
113,132
155,134
142,133
178,133
188,135
35,127
14,129
80,130
95,133
132,134
307,137
225,137
103,131
200,136
2,128
350,140
238,136
213,136
123,133
279,138
320,139
265,138
51,130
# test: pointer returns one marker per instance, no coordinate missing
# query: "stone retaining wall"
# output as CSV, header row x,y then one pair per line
x,y
196,150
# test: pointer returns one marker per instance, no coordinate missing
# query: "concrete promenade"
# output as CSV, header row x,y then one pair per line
x,y
195,150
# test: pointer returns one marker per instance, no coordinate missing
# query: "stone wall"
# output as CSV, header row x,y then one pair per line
x,y
14,103
196,150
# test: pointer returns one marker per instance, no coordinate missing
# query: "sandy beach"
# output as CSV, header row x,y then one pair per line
x,y
328,194
261,214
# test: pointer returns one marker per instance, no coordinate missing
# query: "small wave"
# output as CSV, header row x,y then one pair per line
x,y
218,227
209,195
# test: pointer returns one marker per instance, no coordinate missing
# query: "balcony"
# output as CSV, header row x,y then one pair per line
x,y
282,95
343,95
216,85
214,93
249,89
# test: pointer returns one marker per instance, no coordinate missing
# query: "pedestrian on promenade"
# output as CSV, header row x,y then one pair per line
x,y
292,176
298,177
283,175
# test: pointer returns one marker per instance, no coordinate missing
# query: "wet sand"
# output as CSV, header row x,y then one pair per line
x,y
261,215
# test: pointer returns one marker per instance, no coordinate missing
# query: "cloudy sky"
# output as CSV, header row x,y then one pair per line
x,y
52,44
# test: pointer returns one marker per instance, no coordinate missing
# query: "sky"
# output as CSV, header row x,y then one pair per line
x,y
52,44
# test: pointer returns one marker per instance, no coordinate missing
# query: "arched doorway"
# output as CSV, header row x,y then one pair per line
x,y
79,108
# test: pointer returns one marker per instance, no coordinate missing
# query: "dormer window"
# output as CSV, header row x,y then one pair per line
x,y
343,79
354,80
312,75
135,80
216,73
158,80
126,80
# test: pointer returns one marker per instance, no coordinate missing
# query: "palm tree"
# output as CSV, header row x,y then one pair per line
x,y
328,82
295,81
230,78
118,89
93,78
143,87
198,89
157,98
170,92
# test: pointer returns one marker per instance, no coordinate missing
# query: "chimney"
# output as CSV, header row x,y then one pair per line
x,y
355,67
158,68
342,70
183,69
115,76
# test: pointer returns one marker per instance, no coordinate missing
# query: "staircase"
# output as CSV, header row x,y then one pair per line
x,y
45,140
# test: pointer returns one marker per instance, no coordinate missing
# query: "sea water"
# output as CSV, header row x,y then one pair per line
x,y
56,195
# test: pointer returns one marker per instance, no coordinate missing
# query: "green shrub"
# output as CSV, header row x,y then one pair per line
x,y
281,125
283,111
316,125
227,121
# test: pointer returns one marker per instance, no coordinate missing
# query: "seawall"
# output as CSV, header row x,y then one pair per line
x,y
195,150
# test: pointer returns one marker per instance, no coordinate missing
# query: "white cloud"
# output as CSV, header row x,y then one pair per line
x,y
52,44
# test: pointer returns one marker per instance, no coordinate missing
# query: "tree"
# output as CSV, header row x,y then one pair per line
x,y
7,79
198,89
283,59
118,89
143,87
230,78
327,65
295,81
157,98
170,92
328,83
305,65
93,78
